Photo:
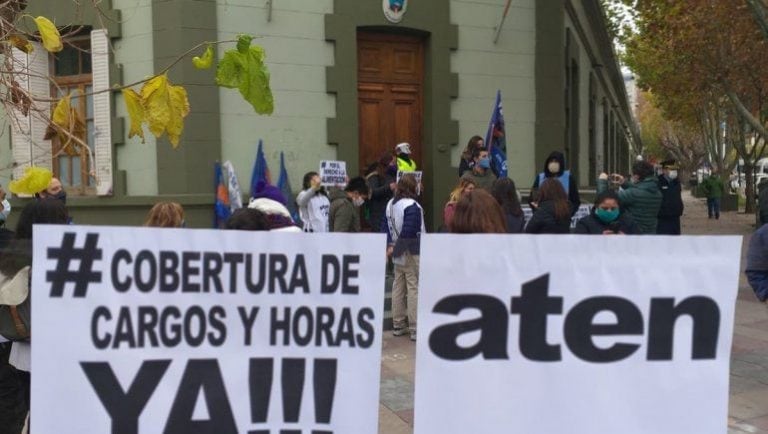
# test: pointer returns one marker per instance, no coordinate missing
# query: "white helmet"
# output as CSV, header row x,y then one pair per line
x,y
403,148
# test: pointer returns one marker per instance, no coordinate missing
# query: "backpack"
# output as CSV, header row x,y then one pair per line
x,y
15,307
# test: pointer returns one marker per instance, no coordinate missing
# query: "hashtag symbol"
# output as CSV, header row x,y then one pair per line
x,y
84,275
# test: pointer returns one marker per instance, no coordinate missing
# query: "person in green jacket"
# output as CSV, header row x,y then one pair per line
x,y
713,189
641,198
344,214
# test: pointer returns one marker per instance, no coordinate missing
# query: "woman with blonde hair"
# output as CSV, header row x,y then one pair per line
x,y
165,215
465,186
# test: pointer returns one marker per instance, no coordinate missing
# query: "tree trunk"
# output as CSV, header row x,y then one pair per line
x,y
749,173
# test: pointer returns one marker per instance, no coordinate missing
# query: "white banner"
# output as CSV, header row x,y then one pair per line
x,y
575,334
333,173
148,331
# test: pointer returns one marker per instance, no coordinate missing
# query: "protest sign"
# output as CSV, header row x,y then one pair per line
x,y
333,173
583,211
575,334
148,331
416,173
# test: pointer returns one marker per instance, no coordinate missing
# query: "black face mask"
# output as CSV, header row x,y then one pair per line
x,y
62,196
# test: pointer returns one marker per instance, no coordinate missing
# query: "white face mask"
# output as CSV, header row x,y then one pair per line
x,y
673,174
554,167
6,210
358,201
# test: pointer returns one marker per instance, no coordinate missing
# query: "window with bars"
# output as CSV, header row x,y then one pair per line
x,y
71,70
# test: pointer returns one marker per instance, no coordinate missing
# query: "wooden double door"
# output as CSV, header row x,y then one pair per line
x,y
390,77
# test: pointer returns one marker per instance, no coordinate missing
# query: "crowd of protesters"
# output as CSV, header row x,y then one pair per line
x,y
646,202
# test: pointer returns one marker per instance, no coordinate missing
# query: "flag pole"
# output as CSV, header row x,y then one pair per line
x,y
501,23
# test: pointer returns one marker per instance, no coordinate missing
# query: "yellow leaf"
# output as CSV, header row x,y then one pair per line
x,y
21,43
35,180
165,107
50,34
61,114
206,61
136,113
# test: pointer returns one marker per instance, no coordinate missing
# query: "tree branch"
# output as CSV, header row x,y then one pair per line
x,y
745,113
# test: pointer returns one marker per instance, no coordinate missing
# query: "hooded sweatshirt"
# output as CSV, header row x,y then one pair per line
x,y
565,177
642,200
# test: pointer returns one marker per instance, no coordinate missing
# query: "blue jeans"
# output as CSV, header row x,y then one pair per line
x,y
713,207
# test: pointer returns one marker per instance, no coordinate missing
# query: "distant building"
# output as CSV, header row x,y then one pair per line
x,y
349,83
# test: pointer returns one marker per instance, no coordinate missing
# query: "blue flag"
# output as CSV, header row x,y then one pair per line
x,y
495,139
284,184
221,205
260,170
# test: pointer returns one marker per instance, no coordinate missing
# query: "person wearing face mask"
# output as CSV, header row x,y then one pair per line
x,y
6,235
404,161
554,168
404,224
54,191
481,175
606,218
641,197
672,200
344,215
381,183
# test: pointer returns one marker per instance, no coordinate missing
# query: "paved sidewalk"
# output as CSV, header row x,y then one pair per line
x,y
749,364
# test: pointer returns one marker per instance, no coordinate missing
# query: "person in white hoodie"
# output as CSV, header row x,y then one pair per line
x,y
314,204
270,201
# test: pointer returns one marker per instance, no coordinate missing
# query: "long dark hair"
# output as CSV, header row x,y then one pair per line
x,y
19,253
471,145
552,190
307,182
505,193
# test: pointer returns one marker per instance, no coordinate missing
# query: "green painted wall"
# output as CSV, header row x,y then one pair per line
x,y
178,25
550,78
134,54
508,65
440,132
297,55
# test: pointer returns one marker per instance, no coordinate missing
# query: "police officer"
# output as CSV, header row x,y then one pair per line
x,y
672,201
404,161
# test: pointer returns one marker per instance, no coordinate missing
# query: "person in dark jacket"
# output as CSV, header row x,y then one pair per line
x,y
467,157
762,201
641,198
757,263
671,200
606,218
553,215
404,224
554,168
505,193
344,215
381,184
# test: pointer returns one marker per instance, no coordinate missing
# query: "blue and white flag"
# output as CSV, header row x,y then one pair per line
x,y
495,139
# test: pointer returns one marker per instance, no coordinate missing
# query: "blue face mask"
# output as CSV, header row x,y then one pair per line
x,y
484,163
607,216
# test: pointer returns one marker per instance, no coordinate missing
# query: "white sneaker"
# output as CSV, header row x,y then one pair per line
x,y
399,332
413,336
